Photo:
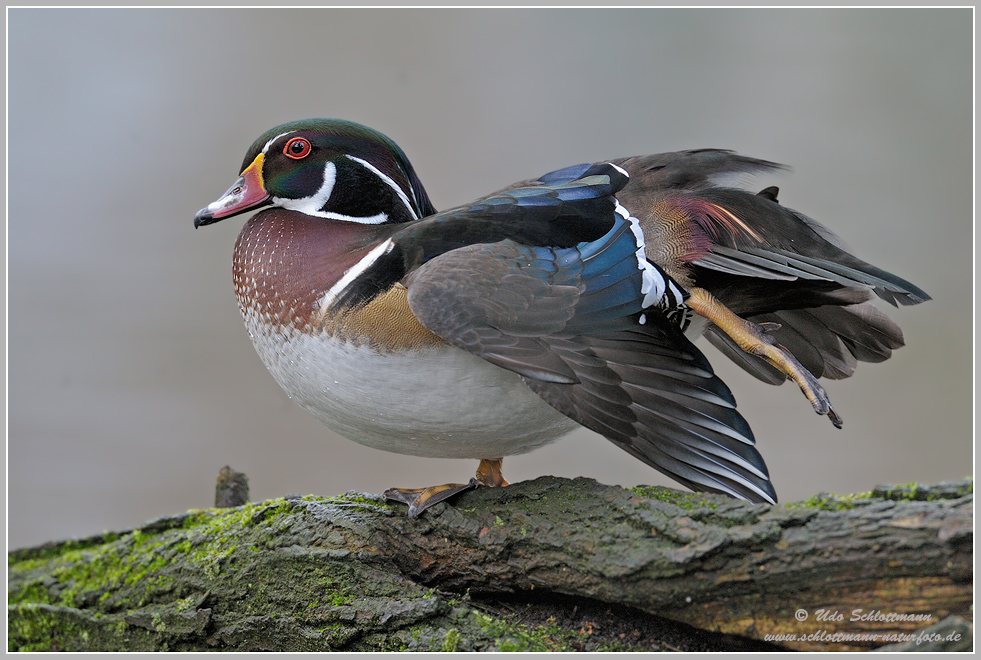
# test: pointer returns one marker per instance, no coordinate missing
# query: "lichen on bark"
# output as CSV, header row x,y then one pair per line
x,y
499,569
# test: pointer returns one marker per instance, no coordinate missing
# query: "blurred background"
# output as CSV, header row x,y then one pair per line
x,y
131,379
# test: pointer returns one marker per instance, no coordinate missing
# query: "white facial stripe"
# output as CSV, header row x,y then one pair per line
x,y
377,219
266,148
416,198
351,274
311,205
391,184
314,204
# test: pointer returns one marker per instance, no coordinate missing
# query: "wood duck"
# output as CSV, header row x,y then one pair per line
x,y
495,327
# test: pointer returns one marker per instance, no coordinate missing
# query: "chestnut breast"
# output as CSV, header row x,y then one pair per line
x,y
284,262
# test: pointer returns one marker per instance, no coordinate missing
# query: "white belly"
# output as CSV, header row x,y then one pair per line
x,y
439,401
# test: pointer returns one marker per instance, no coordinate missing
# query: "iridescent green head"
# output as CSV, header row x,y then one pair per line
x,y
326,168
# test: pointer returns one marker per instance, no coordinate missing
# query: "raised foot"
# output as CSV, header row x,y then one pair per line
x,y
420,499
753,338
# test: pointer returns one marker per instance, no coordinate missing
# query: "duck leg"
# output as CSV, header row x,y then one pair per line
x,y
753,338
489,472
420,499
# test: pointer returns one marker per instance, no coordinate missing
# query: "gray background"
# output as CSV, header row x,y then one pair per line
x,y
131,378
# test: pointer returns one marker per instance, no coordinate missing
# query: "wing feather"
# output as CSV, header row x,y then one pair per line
x,y
643,386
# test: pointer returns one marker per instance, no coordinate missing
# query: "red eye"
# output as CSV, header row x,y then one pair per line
x,y
297,148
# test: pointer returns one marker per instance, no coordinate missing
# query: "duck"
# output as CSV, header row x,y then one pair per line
x,y
570,300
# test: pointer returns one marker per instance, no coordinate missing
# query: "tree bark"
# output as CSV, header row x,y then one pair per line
x,y
549,564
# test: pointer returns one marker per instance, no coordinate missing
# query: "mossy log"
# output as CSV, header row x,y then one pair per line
x,y
549,564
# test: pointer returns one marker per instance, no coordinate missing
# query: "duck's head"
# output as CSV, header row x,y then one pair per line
x,y
325,168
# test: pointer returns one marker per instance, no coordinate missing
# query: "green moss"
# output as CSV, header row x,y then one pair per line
x,y
907,491
186,604
335,589
357,498
32,592
914,491
898,493
142,574
51,550
98,570
95,571
211,543
452,640
35,628
832,501
31,630
516,637
617,647
377,643
678,498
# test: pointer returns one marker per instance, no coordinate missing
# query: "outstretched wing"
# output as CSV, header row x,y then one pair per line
x,y
734,232
765,262
595,330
